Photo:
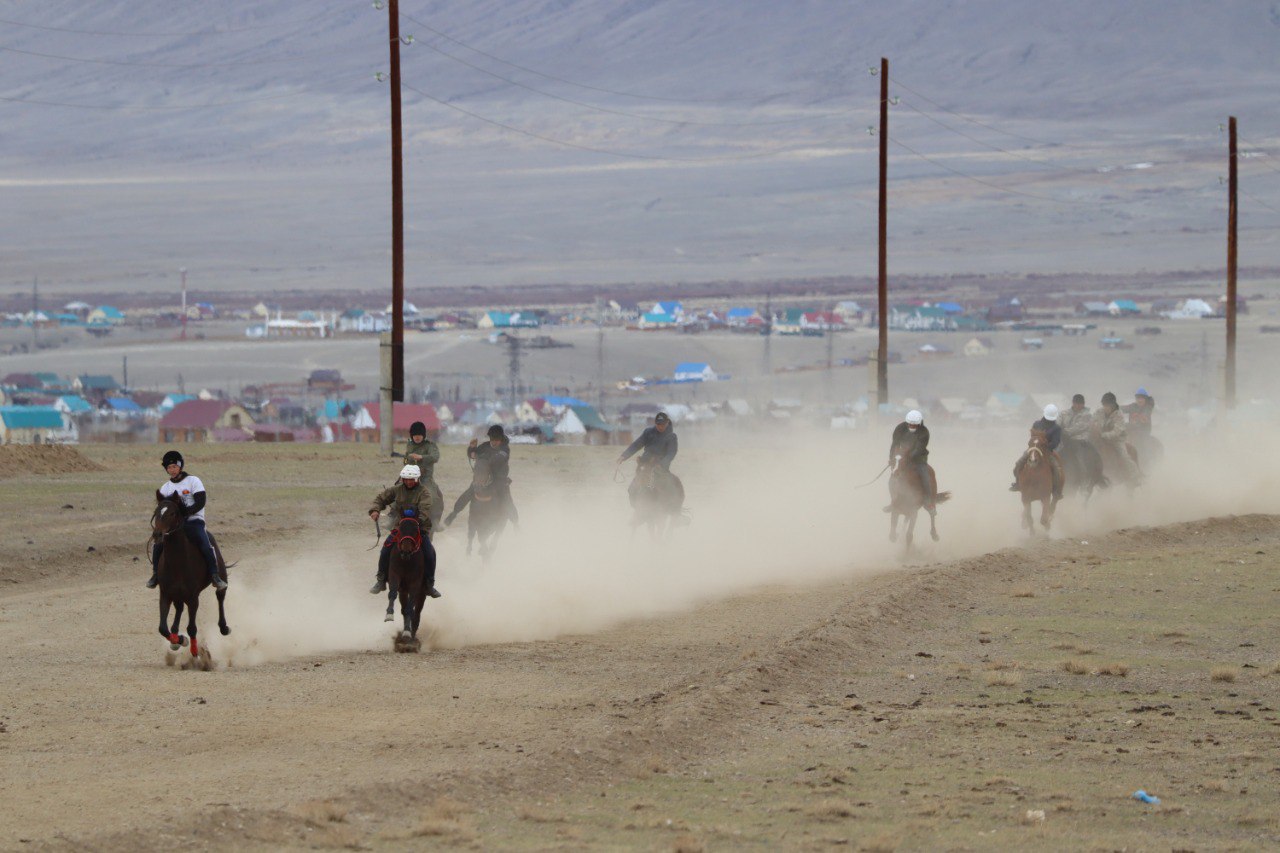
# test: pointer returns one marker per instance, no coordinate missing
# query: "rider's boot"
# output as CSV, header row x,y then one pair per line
x,y
448,519
155,579
1013,487
218,582
888,508
380,585
433,592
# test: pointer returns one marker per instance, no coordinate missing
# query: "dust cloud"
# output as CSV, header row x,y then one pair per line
x,y
778,512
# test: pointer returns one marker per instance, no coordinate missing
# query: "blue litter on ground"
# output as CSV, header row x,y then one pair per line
x,y
1146,798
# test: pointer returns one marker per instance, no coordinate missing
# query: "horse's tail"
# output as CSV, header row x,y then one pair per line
x,y
943,497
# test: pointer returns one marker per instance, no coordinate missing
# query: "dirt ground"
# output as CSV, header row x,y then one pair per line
x,y
1013,697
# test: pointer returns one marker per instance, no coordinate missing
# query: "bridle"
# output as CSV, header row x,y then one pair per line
x,y
407,542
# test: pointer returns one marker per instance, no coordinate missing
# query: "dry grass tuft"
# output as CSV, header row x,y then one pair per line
x,y
1224,673
965,669
439,829
1075,667
446,808
1275,668
1003,665
320,811
1022,592
654,764
1033,817
537,815
1218,786
1002,679
1173,634
1116,668
687,844
830,810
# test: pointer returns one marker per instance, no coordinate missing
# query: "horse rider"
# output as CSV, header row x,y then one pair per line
x,y
913,433
192,497
408,494
498,450
660,446
425,453
1111,433
1076,421
1139,412
1052,430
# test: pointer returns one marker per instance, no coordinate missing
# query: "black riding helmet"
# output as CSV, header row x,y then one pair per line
x,y
496,431
171,457
661,418
417,428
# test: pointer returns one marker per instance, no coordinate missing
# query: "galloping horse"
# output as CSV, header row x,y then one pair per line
x,y
1082,467
907,497
487,512
411,569
1035,482
183,575
657,497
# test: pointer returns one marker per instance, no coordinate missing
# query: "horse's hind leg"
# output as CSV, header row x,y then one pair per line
x,y
178,607
933,526
1027,524
909,534
893,527
192,607
222,614
165,631
391,606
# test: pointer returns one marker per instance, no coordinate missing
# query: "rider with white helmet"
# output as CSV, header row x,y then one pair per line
x,y
1048,424
915,436
407,497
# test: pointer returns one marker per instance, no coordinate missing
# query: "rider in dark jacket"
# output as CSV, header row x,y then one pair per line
x,y
915,435
498,450
660,446
1053,439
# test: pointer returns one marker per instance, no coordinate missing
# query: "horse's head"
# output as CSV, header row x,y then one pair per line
x,y
407,536
901,453
1038,446
167,517
482,479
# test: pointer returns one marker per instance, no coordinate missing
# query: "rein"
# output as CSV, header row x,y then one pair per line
x,y
876,477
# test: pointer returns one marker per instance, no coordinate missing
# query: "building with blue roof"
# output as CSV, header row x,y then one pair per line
x,y
32,425
693,371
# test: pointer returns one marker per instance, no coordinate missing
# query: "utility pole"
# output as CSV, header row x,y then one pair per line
x,y
124,371
183,271
513,367
882,350
35,313
1232,186
392,343
600,355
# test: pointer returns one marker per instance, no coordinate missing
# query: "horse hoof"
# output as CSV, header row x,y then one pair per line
x,y
934,535
173,647
388,618
182,639
225,629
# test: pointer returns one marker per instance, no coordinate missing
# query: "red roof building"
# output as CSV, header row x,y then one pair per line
x,y
403,415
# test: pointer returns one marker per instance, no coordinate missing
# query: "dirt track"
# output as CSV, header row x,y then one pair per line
x,y
918,708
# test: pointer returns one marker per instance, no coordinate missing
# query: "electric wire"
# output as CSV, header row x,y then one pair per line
x,y
963,117
157,108
209,32
610,111
135,64
564,80
593,149
1255,199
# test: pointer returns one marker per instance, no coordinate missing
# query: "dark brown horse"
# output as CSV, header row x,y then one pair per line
x,y
410,574
1035,482
183,575
657,498
907,496
487,513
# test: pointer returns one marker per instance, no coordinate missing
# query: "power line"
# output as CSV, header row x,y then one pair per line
x,y
970,137
210,32
977,180
580,147
978,123
635,115
564,80
132,107
124,62
1256,200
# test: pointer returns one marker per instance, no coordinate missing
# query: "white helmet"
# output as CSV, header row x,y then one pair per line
x,y
914,417
1051,412
411,472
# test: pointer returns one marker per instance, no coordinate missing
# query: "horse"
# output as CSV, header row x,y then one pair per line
x,y
183,575
487,513
411,568
1082,467
1112,467
1035,482
657,498
907,496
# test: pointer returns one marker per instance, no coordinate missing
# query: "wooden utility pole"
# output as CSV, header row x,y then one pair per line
x,y
392,343
1232,186
882,351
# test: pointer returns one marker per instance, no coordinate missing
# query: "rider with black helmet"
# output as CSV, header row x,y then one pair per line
x,y
660,446
425,453
191,496
498,450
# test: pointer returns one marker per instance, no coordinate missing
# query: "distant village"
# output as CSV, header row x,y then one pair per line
x,y
320,407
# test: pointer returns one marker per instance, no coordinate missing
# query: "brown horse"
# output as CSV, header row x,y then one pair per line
x,y
1035,482
908,495
487,514
183,575
411,573
657,500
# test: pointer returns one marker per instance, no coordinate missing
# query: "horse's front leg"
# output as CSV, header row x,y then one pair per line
x,y
178,607
933,525
192,607
893,526
222,614
406,610
1027,524
909,535
1046,512
170,635
391,605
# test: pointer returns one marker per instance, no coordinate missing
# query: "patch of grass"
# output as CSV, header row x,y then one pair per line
x,y
1023,591
1002,665
1217,786
1224,673
1116,668
687,844
320,811
830,810
885,842
535,814
1002,679
1075,667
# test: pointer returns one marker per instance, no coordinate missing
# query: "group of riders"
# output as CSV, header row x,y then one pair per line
x,y
416,494
1112,433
